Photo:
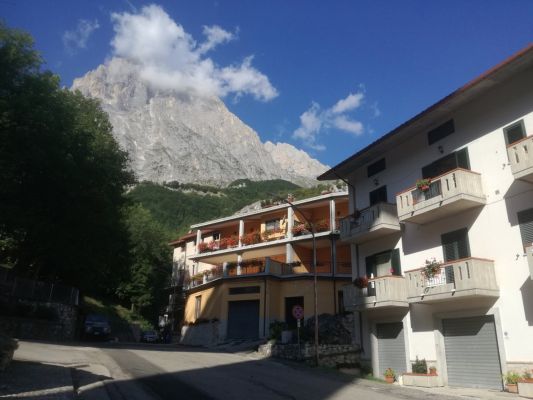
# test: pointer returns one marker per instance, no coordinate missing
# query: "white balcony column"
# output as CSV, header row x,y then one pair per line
x,y
332,222
239,261
198,240
241,231
288,253
225,269
290,222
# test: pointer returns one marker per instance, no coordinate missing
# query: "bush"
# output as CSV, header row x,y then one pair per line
x,y
420,366
511,378
276,327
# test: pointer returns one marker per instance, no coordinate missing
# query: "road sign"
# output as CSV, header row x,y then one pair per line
x,y
298,312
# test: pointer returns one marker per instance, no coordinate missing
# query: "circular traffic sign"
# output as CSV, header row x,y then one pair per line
x,y
298,312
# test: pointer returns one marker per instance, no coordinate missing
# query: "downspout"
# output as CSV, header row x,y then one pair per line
x,y
264,305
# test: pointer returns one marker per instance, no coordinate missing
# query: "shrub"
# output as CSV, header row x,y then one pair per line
x,y
420,366
276,327
511,377
361,282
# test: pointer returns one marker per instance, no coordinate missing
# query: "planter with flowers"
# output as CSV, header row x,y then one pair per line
x,y
361,282
390,375
300,229
322,225
420,376
423,184
203,247
431,269
251,238
273,234
525,385
511,381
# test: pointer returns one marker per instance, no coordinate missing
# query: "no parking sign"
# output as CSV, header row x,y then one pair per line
x,y
298,312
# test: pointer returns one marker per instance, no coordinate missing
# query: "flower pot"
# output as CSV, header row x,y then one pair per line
x,y
424,188
512,388
389,379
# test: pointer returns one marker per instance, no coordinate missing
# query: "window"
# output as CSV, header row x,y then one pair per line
x,y
216,236
441,131
457,159
376,167
197,306
525,220
515,132
378,196
384,263
244,290
272,224
455,245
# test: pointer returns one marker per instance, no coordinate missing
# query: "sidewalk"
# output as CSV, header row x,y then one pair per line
x,y
51,372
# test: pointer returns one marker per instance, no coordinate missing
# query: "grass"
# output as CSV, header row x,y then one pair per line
x,y
117,314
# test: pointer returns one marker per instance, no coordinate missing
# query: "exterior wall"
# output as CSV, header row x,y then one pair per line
x,y
214,304
493,230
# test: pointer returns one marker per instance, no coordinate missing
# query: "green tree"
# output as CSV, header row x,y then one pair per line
x,y
150,270
62,176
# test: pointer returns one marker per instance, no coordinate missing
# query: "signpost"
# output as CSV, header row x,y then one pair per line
x,y
298,314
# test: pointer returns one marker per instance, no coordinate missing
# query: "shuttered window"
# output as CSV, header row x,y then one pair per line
x,y
457,159
376,167
455,245
441,131
525,220
378,196
381,264
515,132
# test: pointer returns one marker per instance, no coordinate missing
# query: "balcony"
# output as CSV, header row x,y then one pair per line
x,y
384,292
373,222
469,277
448,194
521,159
529,254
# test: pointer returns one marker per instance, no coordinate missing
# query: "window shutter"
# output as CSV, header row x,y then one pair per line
x,y
525,220
462,159
455,245
396,264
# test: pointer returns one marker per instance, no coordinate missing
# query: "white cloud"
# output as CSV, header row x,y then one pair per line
x,y
170,58
351,102
316,120
77,39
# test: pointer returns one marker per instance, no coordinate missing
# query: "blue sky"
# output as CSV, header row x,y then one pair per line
x,y
326,76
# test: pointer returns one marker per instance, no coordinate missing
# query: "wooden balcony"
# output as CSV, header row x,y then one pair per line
x,y
529,254
453,192
373,222
521,159
382,292
469,277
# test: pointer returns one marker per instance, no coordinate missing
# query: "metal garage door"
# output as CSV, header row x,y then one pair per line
x,y
243,319
472,354
391,347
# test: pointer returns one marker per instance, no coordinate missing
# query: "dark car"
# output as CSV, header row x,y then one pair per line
x,y
150,337
96,327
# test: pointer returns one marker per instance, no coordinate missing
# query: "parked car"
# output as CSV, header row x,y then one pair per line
x,y
150,337
96,326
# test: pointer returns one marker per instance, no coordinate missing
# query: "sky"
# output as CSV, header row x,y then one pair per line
x,y
329,77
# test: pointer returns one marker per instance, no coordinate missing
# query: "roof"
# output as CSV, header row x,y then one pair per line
x,y
435,113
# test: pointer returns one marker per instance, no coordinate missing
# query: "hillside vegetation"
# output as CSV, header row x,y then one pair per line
x,y
177,206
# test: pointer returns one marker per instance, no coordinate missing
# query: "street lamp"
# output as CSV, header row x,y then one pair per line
x,y
312,226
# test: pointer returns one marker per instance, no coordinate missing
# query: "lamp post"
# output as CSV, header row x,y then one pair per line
x,y
312,226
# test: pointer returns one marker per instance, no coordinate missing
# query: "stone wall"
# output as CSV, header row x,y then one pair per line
x,y
330,355
204,334
63,327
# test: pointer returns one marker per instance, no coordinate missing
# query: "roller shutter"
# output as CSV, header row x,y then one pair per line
x,y
472,355
243,319
525,220
391,347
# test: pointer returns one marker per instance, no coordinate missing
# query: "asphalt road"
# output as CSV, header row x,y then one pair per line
x,y
185,373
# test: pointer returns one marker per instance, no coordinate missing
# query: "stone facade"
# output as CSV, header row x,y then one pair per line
x,y
205,334
330,355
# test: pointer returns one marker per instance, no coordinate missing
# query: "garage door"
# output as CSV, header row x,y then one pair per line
x,y
472,356
391,347
243,319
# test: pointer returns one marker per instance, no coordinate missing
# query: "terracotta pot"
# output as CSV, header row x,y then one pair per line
x,y
389,379
512,388
424,188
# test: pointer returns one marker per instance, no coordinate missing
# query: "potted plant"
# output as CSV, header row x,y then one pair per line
x,y
361,282
322,225
203,247
299,229
431,269
511,381
423,184
389,375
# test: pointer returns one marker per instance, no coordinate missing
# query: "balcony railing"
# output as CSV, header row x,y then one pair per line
x,y
382,292
460,278
448,194
521,158
372,222
529,254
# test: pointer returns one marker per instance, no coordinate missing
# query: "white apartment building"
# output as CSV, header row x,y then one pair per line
x,y
471,316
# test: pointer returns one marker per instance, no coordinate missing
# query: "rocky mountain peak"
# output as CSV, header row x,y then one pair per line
x,y
186,137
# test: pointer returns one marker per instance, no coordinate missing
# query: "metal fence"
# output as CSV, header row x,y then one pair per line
x,y
22,288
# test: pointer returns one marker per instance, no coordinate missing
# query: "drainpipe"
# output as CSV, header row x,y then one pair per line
x,y
264,305
359,312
